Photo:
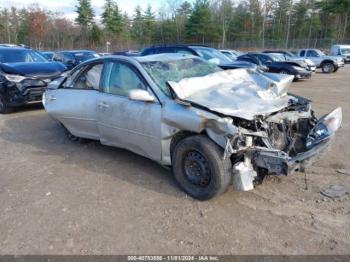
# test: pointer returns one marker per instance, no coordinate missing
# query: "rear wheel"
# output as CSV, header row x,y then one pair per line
x,y
199,167
328,67
4,107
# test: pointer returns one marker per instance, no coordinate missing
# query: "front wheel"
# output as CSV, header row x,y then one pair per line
x,y
328,67
199,167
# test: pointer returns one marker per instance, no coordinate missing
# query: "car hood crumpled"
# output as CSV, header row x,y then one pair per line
x,y
239,93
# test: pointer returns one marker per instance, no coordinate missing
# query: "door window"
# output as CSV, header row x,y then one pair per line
x,y
312,53
302,53
120,78
90,78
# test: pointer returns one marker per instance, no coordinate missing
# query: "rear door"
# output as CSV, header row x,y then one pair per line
x,y
125,123
75,103
314,56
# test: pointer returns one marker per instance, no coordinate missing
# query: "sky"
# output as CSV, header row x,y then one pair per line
x,y
67,7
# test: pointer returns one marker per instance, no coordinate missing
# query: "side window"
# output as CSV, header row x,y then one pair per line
x,y
302,53
311,53
265,59
119,79
184,51
57,57
89,78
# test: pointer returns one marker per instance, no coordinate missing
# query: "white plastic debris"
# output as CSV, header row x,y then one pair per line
x,y
243,177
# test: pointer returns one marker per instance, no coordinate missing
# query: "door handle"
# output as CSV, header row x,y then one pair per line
x,y
103,105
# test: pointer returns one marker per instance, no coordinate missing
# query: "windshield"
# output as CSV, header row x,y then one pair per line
x,y
83,56
345,51
176,70
9,55
212,55
277,57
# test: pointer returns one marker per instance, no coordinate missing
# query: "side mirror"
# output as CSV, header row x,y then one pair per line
x,y
140,95
54,84
70,62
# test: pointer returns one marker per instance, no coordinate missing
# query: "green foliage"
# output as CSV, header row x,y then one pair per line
x,y
223,23
200,26
85,13
112,19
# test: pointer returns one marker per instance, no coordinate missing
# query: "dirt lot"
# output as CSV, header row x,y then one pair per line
x,y
61,197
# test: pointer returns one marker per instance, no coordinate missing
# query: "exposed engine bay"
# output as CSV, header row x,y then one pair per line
x,y
263,128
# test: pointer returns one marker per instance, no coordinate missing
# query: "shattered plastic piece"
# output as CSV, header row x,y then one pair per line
x,y
335,191
243,177
228,149
343,171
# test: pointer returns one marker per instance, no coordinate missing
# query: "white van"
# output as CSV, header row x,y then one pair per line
x,y
341,50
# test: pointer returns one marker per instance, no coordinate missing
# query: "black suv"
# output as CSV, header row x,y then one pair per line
x,y
210,54
24,75
72,58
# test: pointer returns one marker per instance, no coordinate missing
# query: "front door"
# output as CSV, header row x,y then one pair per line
x,y
75,103
125,123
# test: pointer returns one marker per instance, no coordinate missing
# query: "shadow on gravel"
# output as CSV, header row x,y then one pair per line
x,y
26,108
49,138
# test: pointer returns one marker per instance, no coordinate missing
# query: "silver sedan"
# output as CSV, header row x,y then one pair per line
x,y
214,127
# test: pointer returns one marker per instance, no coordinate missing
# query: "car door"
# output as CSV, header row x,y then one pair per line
x,y
74,104
314,56
134,125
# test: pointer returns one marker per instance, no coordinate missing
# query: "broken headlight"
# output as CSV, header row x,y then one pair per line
x,y
325,127
14,78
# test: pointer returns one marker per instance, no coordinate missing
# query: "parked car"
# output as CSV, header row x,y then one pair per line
x,y
214,127
24,75
48,55
127,53
275,64
289,56
232,54
341,50
209,54
328,64
73,58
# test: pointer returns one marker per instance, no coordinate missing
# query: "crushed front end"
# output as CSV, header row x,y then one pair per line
x,y
281,143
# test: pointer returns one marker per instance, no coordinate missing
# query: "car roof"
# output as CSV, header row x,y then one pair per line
x,y
342,45
14,48
162,57
77,51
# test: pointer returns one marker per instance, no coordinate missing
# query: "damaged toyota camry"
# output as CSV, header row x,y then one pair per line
x,y
215,128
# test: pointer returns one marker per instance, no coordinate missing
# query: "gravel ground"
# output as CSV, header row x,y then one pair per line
x,y
61,197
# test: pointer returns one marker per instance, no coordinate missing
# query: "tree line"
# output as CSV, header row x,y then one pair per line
x,y
221,23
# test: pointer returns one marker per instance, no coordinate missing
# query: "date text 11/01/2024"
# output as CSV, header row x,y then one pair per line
x,y
173,258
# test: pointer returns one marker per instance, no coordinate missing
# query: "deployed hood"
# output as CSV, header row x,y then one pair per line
x,y
46,69
239,93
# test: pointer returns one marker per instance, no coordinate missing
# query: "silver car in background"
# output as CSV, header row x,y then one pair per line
x,y
214,127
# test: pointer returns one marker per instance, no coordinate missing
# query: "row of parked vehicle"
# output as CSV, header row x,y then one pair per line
x,y
214,127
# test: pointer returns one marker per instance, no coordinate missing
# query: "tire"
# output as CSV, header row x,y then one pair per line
x,y
72,137
328,67
199,167
4,107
